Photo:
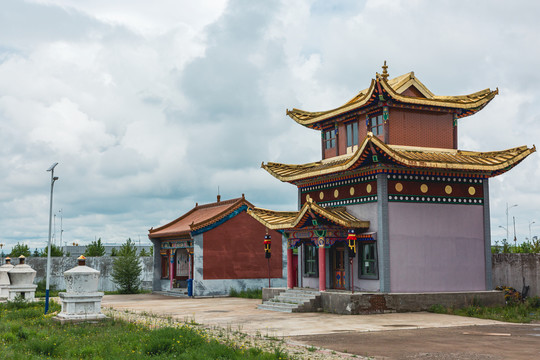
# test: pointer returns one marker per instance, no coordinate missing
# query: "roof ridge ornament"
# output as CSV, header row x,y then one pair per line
x,y
384,74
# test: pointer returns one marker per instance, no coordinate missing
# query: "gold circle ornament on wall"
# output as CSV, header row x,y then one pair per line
x,y
336,193
351,191
424,188
368,188
448,189
399,187
321,195
472,190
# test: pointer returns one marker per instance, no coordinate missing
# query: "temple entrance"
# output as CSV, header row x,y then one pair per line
x,y
182,264
338,267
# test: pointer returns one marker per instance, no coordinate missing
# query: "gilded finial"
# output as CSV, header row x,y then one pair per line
x,y
384,74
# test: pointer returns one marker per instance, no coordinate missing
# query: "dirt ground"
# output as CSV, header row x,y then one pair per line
x,y
494,342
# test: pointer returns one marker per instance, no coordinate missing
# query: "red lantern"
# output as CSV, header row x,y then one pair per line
x,y
267,243
351,238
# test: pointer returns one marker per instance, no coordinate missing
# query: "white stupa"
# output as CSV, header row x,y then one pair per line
x,y
81,301
4,279
21,278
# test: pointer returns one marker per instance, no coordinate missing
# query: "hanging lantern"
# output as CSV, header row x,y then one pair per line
x,y
267,243
351,238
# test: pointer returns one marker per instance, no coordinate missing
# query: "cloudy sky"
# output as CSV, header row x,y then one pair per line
x,y
149,107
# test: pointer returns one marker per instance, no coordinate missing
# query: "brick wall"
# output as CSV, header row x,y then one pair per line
x,y
421,128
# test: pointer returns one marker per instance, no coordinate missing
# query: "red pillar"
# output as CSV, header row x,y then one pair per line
x,y
290,269
322,268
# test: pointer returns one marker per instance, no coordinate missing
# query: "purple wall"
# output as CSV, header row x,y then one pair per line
x,y
436,247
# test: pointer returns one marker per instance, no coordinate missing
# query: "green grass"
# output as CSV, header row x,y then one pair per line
x,y
521,312
247,294
26,333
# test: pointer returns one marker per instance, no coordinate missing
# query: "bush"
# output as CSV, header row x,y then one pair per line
x,y
127,269
20,249
95,248
246,294
438,309
56,251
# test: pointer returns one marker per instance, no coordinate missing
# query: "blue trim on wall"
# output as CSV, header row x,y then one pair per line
x,y
219,222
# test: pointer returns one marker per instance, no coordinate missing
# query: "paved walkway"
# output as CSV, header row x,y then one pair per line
x,y
242,314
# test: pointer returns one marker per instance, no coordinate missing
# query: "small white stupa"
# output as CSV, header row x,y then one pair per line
x,y
81,301
21,278
4,279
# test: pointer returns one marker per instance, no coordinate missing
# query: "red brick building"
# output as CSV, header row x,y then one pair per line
x,y
217,245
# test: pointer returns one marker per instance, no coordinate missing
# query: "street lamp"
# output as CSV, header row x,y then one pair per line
x,y
53,179
508,208
530,233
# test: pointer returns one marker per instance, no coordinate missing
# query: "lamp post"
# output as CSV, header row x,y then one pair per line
x,y
53,179
530,232
508,208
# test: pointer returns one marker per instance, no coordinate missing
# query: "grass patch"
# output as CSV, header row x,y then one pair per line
x,y
521,312
246,294
26,333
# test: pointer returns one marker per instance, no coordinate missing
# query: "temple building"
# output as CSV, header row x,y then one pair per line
x,y
217,247
393,206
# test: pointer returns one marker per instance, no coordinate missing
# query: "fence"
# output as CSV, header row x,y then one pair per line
x,y
517,271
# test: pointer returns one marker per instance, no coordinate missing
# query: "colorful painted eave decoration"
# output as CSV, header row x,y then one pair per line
x,y
203,223
382,89
281,220
373,151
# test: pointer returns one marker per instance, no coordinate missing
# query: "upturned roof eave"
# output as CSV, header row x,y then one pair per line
x,y
398,157
451,102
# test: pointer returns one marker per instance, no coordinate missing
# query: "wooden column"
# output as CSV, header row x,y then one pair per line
x,y
290,269
322,268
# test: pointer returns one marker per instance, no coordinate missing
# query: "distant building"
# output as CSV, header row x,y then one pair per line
x,y
217,245
391,172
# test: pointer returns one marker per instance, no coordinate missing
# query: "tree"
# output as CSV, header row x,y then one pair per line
x,y
95,248
127,269
36,253
56,251
143,253
20,249
114,252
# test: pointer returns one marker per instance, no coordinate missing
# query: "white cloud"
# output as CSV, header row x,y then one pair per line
x,y
149,107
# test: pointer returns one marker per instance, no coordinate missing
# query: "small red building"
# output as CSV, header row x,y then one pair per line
x,y
217,245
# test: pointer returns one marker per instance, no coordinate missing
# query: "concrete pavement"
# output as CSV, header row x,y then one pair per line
x,y
242,314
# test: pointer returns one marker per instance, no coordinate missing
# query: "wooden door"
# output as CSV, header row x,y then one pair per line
x,y
338,267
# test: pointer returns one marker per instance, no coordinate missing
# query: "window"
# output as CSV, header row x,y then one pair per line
x,y
352,134
377,127
310,261
330,138
368,261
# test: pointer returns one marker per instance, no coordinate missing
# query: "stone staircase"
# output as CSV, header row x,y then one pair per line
x,y
177,292
294,300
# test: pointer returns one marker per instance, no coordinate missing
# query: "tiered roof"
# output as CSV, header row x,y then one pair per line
x,y
383,89
488,164
281,220
198,217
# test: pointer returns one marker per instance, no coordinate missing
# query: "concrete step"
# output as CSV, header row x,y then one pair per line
x,y
292,300
174,293
276,307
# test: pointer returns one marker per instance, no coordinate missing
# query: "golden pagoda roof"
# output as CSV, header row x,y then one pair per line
x,y
490,163
197,218
281,220
395,88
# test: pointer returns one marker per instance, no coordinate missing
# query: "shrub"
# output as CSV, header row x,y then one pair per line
x,y
95,248
20,249
127,269
438,309
56,251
